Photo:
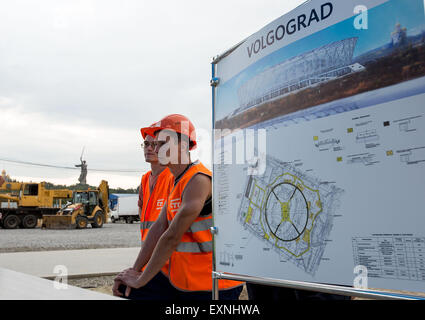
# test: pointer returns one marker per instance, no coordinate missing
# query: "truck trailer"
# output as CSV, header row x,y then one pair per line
x,y
126,209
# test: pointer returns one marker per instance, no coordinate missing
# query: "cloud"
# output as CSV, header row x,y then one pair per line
x,y
34,137
92,72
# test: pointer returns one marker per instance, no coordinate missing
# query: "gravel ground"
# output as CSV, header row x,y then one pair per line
x,y
111,235
100,284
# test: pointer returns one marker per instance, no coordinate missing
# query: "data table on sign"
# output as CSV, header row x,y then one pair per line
x,y
397,257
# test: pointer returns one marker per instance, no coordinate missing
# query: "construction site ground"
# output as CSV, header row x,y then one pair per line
x,y
92,257
111,235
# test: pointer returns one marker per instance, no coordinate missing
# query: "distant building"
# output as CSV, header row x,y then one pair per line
x,y
399,36
5,176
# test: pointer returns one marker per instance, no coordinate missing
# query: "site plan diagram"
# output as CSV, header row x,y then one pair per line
x,y
291,211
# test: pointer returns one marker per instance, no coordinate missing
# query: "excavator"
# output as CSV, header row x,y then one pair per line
x,y
22,204
87,207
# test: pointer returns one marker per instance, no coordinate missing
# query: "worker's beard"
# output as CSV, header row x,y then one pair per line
x,y
151,158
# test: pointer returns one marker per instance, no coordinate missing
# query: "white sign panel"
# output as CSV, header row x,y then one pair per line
x,y
320,147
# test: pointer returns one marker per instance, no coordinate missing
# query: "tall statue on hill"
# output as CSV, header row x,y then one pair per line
x,y
399,36
83,166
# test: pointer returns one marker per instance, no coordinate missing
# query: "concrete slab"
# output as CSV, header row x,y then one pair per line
x,y
76,262
19,286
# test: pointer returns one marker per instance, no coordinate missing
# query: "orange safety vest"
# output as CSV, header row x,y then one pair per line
x,y
190,266
153,203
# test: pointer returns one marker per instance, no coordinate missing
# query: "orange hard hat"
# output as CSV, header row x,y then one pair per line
x,y
144,131
173,122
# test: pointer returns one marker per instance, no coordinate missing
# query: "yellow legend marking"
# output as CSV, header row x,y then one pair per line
x,y
390,153
284,206
315,138
249,215
306,236
350,130
339,159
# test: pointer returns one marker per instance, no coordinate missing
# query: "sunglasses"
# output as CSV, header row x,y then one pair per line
x,y
153,144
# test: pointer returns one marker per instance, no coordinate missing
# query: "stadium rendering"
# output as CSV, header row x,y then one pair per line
x,y
320,65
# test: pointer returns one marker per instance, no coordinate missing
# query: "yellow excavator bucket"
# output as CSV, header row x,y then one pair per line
x,y
58,222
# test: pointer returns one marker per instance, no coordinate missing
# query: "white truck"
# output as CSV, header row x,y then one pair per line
x,y
126,209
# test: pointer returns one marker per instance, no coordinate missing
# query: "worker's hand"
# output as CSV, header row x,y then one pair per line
x,y
117,284
131,278
130,271
115,287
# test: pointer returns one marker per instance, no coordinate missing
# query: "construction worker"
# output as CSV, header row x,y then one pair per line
x,y
182,232
154,189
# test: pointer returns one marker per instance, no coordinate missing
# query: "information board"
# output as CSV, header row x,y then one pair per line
x,y
319,148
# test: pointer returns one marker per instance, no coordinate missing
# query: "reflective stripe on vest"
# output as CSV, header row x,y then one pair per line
x,y
202,230
203,225
191,263
195,247
146,225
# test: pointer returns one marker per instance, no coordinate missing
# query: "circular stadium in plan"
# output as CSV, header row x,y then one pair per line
x,y
286,212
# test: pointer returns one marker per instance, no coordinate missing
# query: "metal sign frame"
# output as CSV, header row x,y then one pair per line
x,y
299,285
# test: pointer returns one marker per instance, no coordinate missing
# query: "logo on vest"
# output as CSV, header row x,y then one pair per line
x,y
159,204
175,205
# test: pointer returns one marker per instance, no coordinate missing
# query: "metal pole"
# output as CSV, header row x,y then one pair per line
x,y
324,288
214,280
215,292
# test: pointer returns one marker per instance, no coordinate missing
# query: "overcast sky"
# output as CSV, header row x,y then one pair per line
x,y
77,73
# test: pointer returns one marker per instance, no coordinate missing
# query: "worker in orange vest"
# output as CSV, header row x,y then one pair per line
x,y
153,192
182,232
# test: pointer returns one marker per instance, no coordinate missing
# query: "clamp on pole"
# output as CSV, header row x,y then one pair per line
x,y
214,82
214,230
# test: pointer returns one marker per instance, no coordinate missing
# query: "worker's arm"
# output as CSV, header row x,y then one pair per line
x,y
197,192
154,234
140,204
145,252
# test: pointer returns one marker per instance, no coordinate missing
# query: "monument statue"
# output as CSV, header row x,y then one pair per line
x,y
83,166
